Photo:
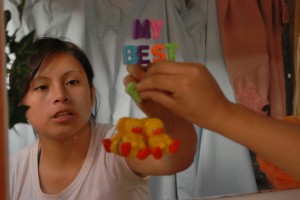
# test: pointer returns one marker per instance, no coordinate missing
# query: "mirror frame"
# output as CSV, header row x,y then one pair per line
x,y
3,115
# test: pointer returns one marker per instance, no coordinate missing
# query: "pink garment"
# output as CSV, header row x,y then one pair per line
x,y
275,13
251,38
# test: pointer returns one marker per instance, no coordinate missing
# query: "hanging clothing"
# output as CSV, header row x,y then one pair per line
x,y
252,41
251,37
275,15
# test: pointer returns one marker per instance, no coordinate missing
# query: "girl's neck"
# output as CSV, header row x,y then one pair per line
x,y
65,153
60,162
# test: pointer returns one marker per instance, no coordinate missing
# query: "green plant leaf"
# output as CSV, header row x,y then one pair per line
x,y
17,115
19,71
24,47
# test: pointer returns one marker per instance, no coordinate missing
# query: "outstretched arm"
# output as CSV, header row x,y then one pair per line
x,y
189,90
175,126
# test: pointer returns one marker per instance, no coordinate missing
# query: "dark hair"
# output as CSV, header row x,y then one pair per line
x,y
47,48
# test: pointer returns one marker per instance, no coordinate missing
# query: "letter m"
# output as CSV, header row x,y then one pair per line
x,y
141,30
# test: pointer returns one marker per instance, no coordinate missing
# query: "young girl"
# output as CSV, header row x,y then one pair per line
x,y
69,161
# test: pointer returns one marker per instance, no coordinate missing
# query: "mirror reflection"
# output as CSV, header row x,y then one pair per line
x,y
247,47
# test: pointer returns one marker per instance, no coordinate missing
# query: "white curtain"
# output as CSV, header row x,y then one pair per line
x,y
101,28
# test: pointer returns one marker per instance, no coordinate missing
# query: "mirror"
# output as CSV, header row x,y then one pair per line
x,y
102,28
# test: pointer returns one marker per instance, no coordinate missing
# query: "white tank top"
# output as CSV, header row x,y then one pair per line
x,y
102,176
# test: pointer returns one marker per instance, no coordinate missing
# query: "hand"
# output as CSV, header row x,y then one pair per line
x,y
175,125
149,107
187,89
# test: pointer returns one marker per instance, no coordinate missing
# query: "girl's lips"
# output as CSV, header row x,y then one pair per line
x,y
63,116
62,113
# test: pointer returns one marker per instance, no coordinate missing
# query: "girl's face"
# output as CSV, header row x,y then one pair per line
x,y
59,98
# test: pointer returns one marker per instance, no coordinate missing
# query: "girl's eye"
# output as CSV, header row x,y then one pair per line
x,y
41,87
72,82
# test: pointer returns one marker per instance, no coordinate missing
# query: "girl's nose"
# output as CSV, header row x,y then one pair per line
x,y
60,95
61,99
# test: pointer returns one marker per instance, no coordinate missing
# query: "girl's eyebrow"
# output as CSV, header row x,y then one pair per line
x,y
65,74
73,71
38,78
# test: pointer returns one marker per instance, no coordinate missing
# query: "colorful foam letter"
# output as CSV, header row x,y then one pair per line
x,y
157,52
140,30
171,50
131,90
141,53
156,27
130,54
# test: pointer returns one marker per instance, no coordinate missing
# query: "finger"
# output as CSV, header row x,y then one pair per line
x,y
159,82
137,71
128,79
169,67
163,98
